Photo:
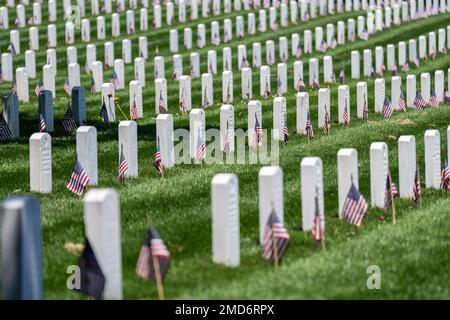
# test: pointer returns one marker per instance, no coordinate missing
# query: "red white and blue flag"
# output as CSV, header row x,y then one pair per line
x,y
355,207
419,102
445,179
402,102
123,165
276,238
79,179
387,108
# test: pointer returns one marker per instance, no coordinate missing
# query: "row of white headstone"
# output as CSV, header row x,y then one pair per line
x,y
225,189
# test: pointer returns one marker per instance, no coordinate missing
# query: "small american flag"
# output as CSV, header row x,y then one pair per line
x,y
244,62
182,103
309,128
153,248
300,85
11,49
416,187
364,35
133,110
42,125
228,94
333,43
226,37
405,67
280,88
419,102
104,113
14,88
39,88
365,110
318,228
158,162
445,180
342,76
315,84
5,132
201,149
355,207
68,121
205,97
387,108
305,16
79,179
266,90
394,70
211,69
417,61
123,165
433,103
276,238
228,140
92,279
247,93
225,67
115,79
283,57
269,59
298,50
390,193
326,122
345,115
93,87
199,41
161,103
67,88
285,129
258,134
174,72
322,46
446,97
401,102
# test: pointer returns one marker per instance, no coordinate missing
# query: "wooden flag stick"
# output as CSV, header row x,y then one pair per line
x,y
392,198
418,177
159,283
116,100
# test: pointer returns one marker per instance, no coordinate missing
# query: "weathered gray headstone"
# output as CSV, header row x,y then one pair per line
x,y
79,104
10,106
45,103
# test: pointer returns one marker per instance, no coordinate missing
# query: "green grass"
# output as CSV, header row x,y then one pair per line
x,y
412,254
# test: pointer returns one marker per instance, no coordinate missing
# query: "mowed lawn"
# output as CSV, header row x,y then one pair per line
x,y
412,254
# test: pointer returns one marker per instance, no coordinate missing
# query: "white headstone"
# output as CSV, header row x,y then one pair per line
x,y
212,62
87,152
207,90
30,64
128,141
164,134
194,60
160,95
227,87
302,111
97,75
432,159
355,65
246,83
425,86
185,92
158,62
322,105
379,169
226,126
136,97
49,79
264,87
41,162
108,95
196,130
7,67
22,85
74,75
279,118
380,93
311,177
139,70
173,41
410,90
407,169
347,171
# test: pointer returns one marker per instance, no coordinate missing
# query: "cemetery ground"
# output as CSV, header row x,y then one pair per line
x,y
412,254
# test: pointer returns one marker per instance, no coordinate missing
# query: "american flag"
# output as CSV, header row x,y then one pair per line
x,y
228,139
93,87
280,88
305,16
201,149
446,97
300,85
355,207
258,134
298,50
182,103
326,122
405,67
158,162
351,36
416,187
342,76
333,43
199,41
345,115
14,88
68,120
123,165
225,67
211,69
42,125
364,35
133,110
161,104
205,97
322,46
92,282
393,70
309,128
285,129
104,113
401,102
79,179
67,88
318,228
315,84
153,248
39,88
433,103
5,132
266,90
283,57
16,21
445,181
228,94
276,238
115,79
248,90
365,110
419,102
269,59
226,37
174,72
417,61
244,62
387,108
390,193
